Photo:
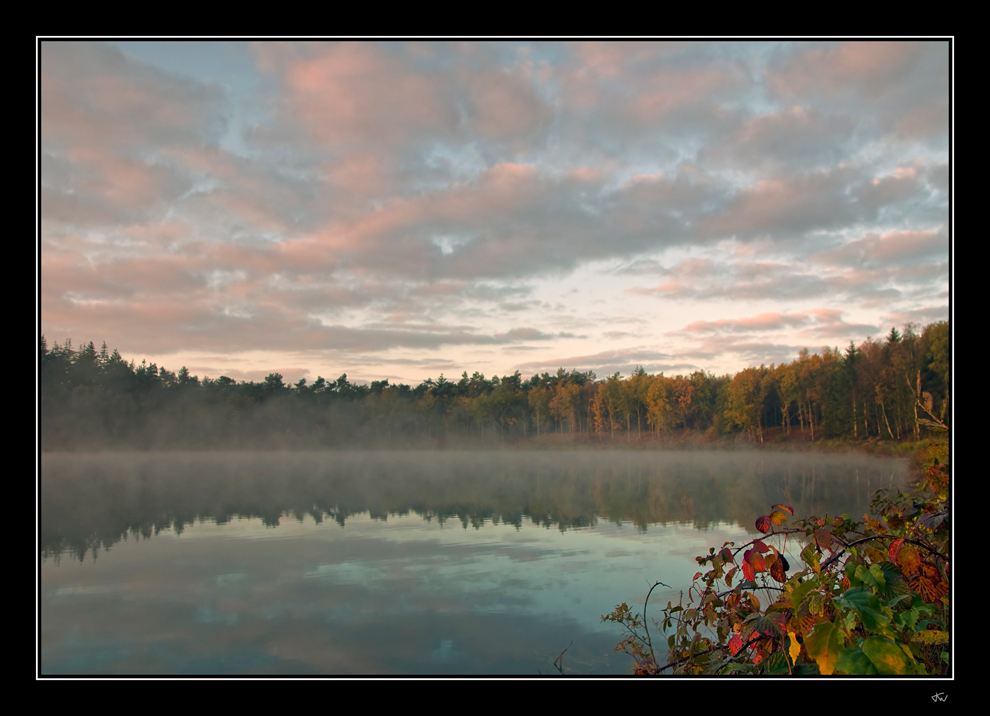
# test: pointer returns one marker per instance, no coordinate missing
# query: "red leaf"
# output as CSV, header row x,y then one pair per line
x,y
908,560
758,544
823,536
735,644
929,583
748,571
763,524
696,576
785,508
755,560
726,554
778,570
895,548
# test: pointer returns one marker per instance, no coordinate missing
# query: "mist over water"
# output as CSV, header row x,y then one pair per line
x,y
417,562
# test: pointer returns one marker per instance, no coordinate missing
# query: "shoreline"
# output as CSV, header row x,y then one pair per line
x,y
775,440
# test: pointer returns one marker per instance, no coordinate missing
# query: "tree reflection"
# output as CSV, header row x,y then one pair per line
x,y
92,502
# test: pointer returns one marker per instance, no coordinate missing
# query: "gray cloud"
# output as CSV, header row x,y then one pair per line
x,y
794,136
417,195
902,85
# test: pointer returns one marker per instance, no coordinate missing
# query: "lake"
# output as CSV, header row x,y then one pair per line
x,y
393,563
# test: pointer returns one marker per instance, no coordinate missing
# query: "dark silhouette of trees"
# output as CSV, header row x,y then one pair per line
x,y
894,389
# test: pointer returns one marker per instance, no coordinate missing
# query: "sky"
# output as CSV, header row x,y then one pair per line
x,y
397,210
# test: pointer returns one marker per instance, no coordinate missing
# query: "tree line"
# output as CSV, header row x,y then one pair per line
x,y
896,388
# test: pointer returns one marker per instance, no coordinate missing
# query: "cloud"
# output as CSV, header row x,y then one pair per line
x,y
794,136
893,249
358,198
529,334
756,340
786,207
902,85
504,106
653,84
867,68
356,93
392,95
764,322
94,96
921,316
606,362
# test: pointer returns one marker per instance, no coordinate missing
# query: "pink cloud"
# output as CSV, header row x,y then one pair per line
x,y
505,105
610,59
928,120
784,204
867,66
94,96
891,248
358,93
365,174
666,91
585,174
105,188
641,82
772,321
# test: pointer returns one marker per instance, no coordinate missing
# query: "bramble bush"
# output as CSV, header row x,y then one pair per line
x,y
872,597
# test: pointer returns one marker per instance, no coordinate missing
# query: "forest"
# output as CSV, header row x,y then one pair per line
x,y
892,389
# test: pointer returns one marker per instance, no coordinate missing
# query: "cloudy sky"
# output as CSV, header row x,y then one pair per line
x,y
404,209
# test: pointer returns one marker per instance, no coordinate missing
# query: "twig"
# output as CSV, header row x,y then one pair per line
x,y
559,661
714,648
646,622
838,554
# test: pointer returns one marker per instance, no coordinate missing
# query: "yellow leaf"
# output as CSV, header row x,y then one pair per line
x,y
823,646
795,649
931,636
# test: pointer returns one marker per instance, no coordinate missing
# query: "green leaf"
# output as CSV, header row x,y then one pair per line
x,y
736,667
776,664
910,618
767,626
864,574
801,591
823,646
816,604
810,556
887,657
867,605
853,661
896,587
877,571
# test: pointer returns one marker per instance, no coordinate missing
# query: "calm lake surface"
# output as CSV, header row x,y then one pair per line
x,y
393,563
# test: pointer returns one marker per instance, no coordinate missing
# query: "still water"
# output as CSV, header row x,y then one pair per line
x,y
393,563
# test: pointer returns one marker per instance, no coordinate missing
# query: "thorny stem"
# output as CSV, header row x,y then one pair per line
x,y
709,651
838,554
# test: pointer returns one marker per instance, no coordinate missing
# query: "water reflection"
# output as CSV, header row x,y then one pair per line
x,y
394,563
94,501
